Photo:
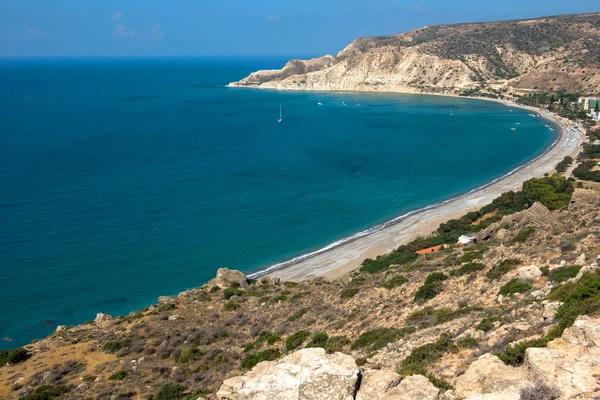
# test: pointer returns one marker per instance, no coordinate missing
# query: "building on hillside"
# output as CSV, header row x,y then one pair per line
x,y
433,249
466,239
589,103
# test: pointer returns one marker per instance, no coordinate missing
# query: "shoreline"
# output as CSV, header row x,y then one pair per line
x,y
338,259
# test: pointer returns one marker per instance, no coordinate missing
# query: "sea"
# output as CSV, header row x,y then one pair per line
x,y
124,179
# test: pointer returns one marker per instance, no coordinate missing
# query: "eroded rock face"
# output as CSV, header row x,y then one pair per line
x,y
388,385
307,374
227,277
103,321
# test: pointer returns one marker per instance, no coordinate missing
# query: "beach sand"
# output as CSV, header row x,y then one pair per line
x,y
338,261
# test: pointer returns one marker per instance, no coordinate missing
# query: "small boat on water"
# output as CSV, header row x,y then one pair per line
x,y
280,120
514,129
319,103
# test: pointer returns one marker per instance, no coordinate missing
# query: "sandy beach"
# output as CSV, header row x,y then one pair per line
x,y
337,261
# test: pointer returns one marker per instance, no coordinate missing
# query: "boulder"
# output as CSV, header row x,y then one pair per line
x,y
307,374
165,299
529,273
588,269
550,309
488,378
388,385
228,277
103,321
571,363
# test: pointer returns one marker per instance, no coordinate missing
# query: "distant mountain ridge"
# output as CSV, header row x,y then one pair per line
x,y
545,54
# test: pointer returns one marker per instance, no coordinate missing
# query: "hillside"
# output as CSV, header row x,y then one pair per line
x,y
545,54
488,319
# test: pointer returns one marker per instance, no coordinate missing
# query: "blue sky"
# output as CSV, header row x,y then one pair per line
x,y
235,27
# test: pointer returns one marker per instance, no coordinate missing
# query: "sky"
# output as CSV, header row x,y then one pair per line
x,y
102,28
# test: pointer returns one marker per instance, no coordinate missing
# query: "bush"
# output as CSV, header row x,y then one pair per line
x,y
113,346
171,391
436,277
46,392
336,344
515,286
564,273
230,306
468,269
378,338
540,391
252,359
428,292
189,354
294,341
318,340
470,256
118,376
230,292
503,268
348,293
515,354
421,357
299,314
13,356
468,343
395,282
564,164
523,235
434,316
487,324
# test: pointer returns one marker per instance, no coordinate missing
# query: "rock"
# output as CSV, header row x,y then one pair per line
x,y
586,270
165,299
174,317
307,374
415,387
570,363
489,378
103,321
580,260
82,386
47,376
502,234
537,215
227,277
529,273
377,384
19,382
550,308
60,328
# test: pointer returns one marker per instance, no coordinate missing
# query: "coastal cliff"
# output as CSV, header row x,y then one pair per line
x,y
545,54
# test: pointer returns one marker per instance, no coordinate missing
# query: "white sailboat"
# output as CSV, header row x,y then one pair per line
x,y
280,120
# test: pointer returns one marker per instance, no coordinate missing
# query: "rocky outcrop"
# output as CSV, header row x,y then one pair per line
x,y
228,277
571,364
388,385
540,53
307,374
537,215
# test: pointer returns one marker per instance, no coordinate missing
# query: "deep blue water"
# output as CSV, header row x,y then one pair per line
x,y
122,180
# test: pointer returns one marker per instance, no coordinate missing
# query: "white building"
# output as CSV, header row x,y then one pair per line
x,y
589,103
466,239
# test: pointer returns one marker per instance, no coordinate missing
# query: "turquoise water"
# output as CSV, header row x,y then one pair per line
x,y
122,180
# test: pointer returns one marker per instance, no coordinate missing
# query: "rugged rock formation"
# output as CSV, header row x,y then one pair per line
x,y
227,277
307,374
546,53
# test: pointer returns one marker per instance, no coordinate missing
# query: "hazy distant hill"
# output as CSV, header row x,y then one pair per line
x,y
549,53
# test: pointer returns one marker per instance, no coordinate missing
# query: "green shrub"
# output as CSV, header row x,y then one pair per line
x,y
439,383
515,286
564,164
487,324
523,235
230,292
336,344
348,293
503,268
171,391
470,256
189,354
13,356
318,340
230,306
428,291
113,346
299,314
252,359
468,343
564,273
421,357
545,270
394,282
468,269
294,341
118,376
436,277
515,354
268,337
378,338
429,316
47,392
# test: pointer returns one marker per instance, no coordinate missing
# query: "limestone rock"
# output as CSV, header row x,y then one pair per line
x,y
377,384
307,374
174,317
580,260
415,387
165,299
571,363
103,321
529,273
550,308
227,277
586,270
490,379
60,328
